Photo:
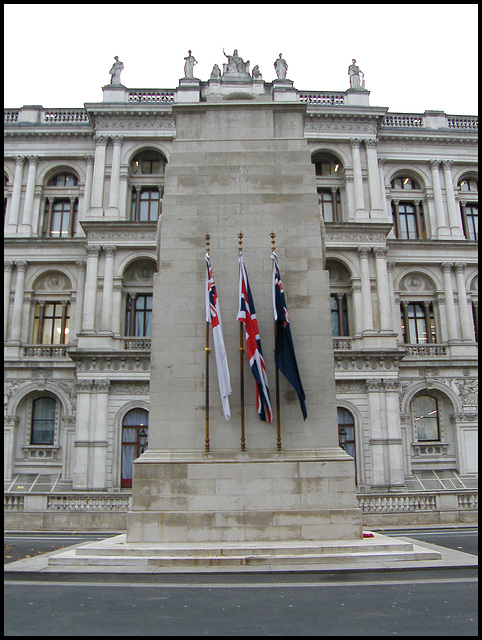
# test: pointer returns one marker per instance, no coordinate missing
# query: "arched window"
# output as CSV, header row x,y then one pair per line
x,y
63,180
425,418
407,212
134,441
61,206
43,421
147,185
340,291
329,185
346,433
469,207
404,182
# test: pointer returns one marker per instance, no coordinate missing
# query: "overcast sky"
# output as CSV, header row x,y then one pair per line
x,y
414,56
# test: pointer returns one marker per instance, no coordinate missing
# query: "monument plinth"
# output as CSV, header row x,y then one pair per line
x,y
240,166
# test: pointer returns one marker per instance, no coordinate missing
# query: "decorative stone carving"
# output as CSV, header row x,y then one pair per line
x,y
116,71
189,63
235,68
280,67
357,77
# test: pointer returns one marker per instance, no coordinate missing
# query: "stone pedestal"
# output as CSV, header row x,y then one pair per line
x,y
240,166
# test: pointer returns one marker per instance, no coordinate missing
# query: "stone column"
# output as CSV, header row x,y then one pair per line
x,y
116,306
349,197
376,207
442,230
99,171
376,432
383,290
465,324
124,206
394,303
90,288
7,281
25,228
16,193
383,195
449,301
366,296
81,443
89,172
98,436
18,302
107,312
80,296
357,178
454,217
115,172
394,435
357,307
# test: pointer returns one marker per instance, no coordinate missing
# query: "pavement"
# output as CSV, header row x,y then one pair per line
x,y
65,562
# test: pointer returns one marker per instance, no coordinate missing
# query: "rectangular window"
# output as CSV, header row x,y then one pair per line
x,y
408,220
60,218
339,315
51,323
139,315
145,205
470,217
425,416
418,323
43,421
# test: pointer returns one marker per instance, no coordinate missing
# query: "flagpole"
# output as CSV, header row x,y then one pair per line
x,y
208,351
241,360
278,415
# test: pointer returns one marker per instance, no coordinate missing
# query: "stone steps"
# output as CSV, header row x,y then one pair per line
x,y
116,553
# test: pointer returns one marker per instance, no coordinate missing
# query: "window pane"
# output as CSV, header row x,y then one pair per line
x,y
335,319
43,421
425,416
136,417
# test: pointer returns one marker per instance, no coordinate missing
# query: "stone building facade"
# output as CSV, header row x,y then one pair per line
x,y
398,204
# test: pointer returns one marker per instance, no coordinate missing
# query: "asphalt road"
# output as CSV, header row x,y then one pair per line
x,y
410,603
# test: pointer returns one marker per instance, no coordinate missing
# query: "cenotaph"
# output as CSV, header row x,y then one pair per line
x,y
240,165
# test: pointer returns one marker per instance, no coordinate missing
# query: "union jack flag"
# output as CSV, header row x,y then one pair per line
x,y
247,315
213,315
284,351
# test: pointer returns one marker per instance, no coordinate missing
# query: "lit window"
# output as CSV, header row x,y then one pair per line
x,y
51,323
404,182
63,180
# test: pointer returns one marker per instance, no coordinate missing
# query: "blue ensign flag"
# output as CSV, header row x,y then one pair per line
x,y
284,352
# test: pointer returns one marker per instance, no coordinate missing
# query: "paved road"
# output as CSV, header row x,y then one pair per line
x,y
413,603
431,606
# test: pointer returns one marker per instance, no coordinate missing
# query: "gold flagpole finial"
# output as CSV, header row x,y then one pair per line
x,y
240,241
272,235
207,237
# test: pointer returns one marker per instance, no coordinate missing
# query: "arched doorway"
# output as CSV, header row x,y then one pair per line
x,y
134,441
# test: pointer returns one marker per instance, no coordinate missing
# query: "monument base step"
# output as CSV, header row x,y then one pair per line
x,y
116,553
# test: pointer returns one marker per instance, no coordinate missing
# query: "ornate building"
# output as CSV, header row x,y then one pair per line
x,y
398,204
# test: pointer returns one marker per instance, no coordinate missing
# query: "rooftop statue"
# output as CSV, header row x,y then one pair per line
x,y
116,71
281,68
235,65
189,65
355,72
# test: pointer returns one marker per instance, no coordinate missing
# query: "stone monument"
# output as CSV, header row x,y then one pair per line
x,y
240,166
